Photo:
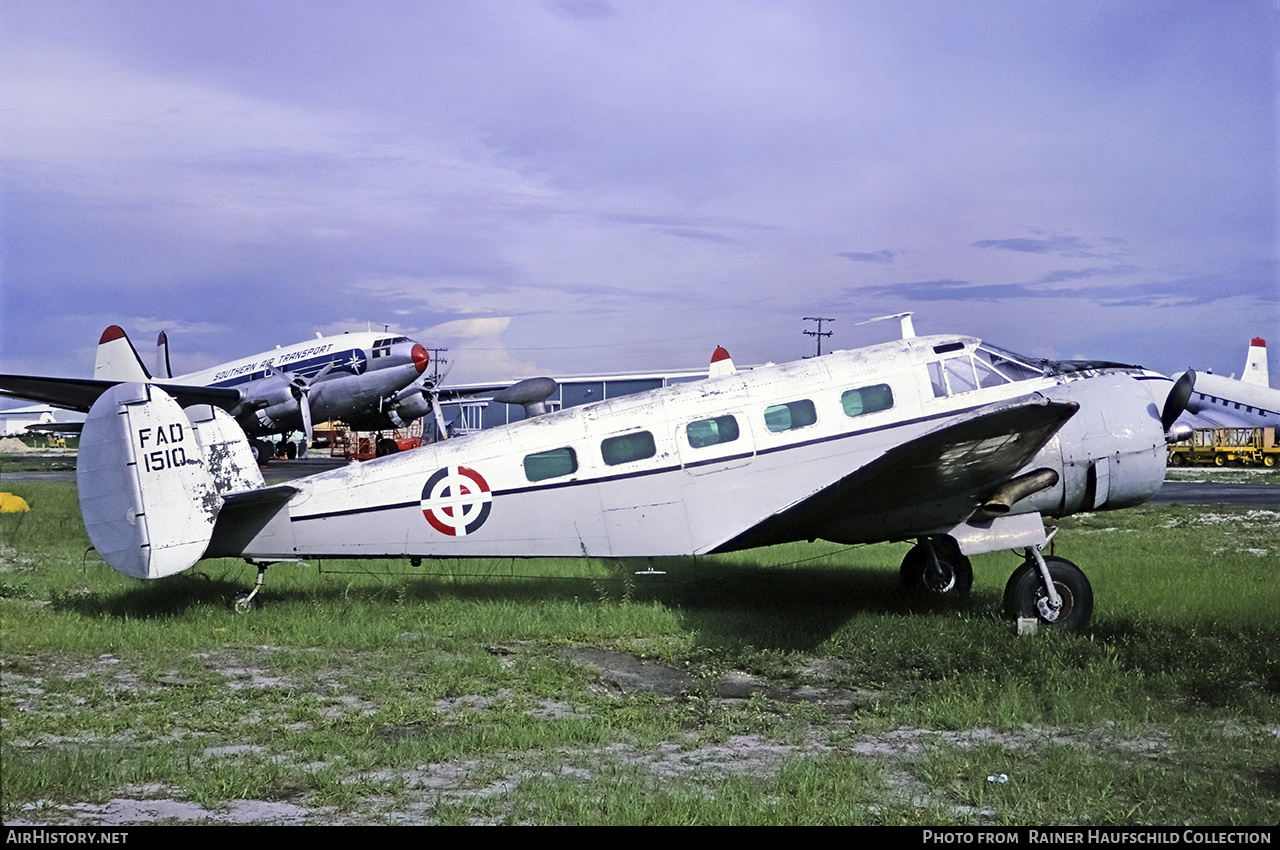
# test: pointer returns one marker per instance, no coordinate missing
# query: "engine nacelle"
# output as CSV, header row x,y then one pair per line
x,y
409,404
275,404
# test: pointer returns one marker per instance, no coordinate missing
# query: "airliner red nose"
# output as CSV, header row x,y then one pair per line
x,y
420,357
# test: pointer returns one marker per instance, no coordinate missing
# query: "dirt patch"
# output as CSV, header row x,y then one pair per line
x,y
621,673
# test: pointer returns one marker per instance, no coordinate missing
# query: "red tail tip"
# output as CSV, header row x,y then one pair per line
x,y
719,354
111,334
1259,341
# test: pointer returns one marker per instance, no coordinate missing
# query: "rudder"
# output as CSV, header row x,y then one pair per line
x,y
117,359
148,501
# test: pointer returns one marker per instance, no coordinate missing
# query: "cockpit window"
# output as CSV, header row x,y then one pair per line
x,y
1014,367
986,367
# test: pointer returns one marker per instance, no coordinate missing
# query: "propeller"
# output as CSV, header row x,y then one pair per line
x,y
301,388
432,391
1175,403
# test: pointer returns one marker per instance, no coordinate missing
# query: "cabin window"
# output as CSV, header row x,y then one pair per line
x,y
710,432
628,447
789,416
867,400
557,462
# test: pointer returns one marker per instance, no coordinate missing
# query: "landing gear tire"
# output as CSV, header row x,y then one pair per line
x,y
951,576
261,451
1219,460
1025,589
246,601
387,446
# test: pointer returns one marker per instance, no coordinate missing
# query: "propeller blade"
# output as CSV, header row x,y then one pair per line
x,y
1176,401
304,402
440,424
441,373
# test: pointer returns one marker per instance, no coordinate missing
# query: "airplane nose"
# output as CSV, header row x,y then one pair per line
x,y
420,357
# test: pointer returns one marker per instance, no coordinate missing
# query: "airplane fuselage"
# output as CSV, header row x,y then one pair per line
x,y
718,464
1227,403
350,376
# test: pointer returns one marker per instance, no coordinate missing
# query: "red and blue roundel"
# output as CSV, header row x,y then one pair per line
x,y
456,501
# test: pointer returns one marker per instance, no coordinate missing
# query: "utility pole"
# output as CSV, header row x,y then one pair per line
x,y
819,333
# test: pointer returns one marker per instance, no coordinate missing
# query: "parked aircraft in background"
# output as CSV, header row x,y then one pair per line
x,y
1249,402
944,440
370,380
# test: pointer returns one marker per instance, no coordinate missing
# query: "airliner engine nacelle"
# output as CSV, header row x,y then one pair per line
x,y
409,404
276,404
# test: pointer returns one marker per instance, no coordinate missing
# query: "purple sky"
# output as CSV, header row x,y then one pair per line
x,y
608,185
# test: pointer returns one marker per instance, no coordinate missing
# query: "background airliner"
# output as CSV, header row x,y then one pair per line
x,y
1249,402
369,380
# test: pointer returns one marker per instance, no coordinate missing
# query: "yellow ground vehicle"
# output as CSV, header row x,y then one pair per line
x,y
1221,446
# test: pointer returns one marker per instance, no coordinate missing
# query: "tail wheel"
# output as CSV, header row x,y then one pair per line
x,y
944,571
1268,460
1219,460
1025,590
246,601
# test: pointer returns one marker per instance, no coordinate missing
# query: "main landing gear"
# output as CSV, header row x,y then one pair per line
x,y
936,566
1050,589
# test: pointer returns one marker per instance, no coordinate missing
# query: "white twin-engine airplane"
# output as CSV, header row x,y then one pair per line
x,y
371,381
940,439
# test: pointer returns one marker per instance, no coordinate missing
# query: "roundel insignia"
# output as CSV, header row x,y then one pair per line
x,y
456,501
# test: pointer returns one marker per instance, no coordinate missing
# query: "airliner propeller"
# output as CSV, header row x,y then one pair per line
x,y
301,389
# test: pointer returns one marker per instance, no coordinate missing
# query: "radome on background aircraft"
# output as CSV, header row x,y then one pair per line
x,y
369,380
944,440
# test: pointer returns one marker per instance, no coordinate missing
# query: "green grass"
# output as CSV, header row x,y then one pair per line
x,y
807,689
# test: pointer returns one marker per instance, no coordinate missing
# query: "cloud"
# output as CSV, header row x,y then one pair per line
x,y
1062,246
883,256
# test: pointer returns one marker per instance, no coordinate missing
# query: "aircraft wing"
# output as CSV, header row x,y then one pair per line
x,y
960,461
458,392
80,393
56,428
